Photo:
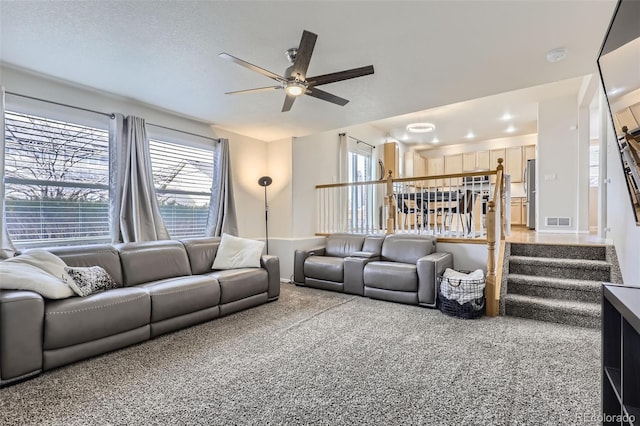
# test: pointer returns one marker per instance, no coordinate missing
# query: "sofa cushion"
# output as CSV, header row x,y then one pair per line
x,y
237,253
82,319
103,255
153,261
391,276
342,245
201,252
236,284
173,297
326,268
407,248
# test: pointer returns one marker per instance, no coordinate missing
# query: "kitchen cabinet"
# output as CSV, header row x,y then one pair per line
x,y
472,161
414,165
513,163
391,161
518,211
435,166
529,152
494,154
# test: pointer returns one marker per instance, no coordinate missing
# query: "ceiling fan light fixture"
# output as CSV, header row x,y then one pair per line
x,y
421,127
295,88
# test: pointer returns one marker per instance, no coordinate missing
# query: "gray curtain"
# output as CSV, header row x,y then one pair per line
x,y
6,246
134,196
222,208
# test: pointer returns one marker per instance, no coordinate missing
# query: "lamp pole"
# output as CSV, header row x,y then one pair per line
x,y
265,181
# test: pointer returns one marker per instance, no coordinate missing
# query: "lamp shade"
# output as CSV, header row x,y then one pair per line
x,y
265,181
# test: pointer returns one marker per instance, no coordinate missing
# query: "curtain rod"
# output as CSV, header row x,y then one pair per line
x,y
110,115
359,141
182,131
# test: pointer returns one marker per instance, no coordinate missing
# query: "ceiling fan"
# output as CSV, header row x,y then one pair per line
x,y
295,82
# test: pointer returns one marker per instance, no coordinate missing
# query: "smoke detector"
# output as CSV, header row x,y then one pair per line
x,y
556,55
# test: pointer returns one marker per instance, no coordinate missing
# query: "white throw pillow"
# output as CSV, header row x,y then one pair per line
x,y
36,270
236,252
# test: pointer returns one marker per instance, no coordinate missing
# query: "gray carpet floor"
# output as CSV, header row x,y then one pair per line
x,y
317,357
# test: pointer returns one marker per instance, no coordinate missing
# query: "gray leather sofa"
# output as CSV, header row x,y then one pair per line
x,y
338,264
166,286
399,268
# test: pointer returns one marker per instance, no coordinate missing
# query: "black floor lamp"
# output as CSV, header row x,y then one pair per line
x,y
266,181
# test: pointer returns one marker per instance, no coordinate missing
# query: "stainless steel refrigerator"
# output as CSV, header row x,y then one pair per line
x,y
530,189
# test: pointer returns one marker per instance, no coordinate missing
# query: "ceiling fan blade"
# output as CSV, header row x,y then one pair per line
x,y
303,57
325,96
340,75
288,103
252,67
259,89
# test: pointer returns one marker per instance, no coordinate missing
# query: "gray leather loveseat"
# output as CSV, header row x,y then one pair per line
x,y
164,286
399,268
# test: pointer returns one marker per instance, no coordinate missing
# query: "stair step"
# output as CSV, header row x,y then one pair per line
x,y
579,269
555,288
583,314
593,252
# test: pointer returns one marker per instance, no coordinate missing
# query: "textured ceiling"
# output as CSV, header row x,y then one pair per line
x,y
426,54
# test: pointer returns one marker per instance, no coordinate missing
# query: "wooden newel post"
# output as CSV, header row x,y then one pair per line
x,y
490,292
390,202
500,181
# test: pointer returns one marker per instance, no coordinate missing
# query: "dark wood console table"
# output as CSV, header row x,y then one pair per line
x,y
620,355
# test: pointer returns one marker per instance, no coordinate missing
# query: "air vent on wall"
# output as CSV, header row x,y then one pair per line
x,y
558,221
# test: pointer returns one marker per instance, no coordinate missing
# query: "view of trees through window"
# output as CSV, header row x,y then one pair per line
x,y
183,177
56,181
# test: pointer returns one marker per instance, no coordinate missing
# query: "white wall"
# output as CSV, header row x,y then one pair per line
x,y
624,232
316,161
557,165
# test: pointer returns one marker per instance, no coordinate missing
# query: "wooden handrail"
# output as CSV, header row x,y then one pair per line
x,y
408,179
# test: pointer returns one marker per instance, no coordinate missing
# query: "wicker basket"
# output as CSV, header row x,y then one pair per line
x,y
461,298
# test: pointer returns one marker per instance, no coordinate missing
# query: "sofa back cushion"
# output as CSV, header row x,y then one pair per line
x,y
153,260
201,252
407,248
103,255
373,244
342,245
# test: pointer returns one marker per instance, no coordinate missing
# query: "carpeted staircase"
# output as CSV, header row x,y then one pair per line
x,y
557,283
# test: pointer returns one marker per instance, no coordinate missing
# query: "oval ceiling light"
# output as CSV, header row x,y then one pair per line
x,y
470,135
506,117
421,127
435,140
510,129
557,55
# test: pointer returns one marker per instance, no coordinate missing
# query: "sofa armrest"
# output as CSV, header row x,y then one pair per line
x,y
354,272
272,265
298,262
21,334
429,267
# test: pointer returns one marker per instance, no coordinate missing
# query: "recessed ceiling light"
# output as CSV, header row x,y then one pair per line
x,y
557,55
510,129
421,127
435,140
470,135
614,91
506,117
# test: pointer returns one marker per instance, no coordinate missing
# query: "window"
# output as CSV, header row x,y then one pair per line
x,y
594,165
56,181
360,197
183,177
